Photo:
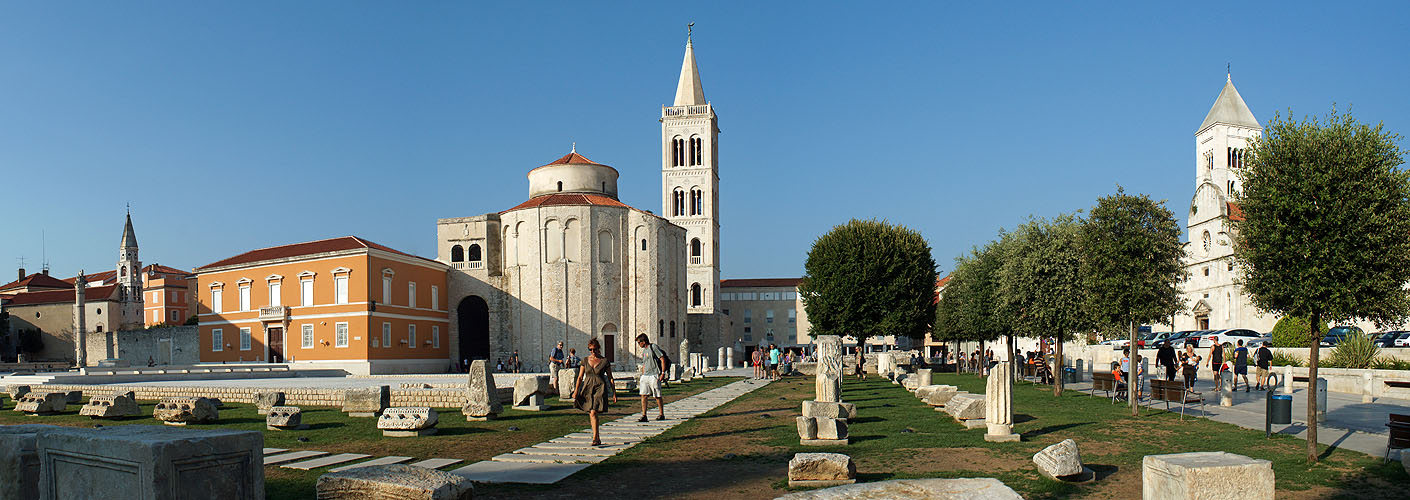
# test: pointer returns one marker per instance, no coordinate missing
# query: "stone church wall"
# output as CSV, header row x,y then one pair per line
x,y
177,345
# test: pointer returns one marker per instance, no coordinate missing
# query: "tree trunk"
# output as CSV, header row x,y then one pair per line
x,y
1131,381
1314,324
981,364
1013,367
1057,366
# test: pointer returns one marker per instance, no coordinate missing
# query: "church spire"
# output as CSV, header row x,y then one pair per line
x,y
1229,109
688,91
129,237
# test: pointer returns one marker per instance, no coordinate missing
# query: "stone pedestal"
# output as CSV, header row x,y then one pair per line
x,y
284,418
408,421
111,406
482,403
266,400
1287,379
1367,386
534,402
527,388
1226,388
822,431
821,469
998,404
401,482
151,462
17,391
367,401
827,386
729,357
1212,475
182,411
829,410
924,377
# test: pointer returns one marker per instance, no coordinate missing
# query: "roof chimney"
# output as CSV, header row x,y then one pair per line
x,y
21,273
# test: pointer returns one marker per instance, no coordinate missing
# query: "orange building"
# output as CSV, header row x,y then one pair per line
x,y
342,303
167,293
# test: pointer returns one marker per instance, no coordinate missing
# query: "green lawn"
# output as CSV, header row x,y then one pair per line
x,y
332,431
744,447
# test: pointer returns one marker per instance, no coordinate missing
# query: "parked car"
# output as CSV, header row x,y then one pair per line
x,y
1148,340
1403,340
1340,333
1262,339
1178,339
1386,339
1229,337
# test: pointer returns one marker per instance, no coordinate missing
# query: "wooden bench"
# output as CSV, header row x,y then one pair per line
x,y
1174,391
1105,381
1399,438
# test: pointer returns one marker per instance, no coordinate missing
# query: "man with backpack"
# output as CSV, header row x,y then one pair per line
x,y
653,366
1263,360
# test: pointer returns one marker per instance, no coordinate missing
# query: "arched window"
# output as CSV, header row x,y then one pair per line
x,y
457,254
604,246
677,152
695,295
474,253
695,250
673,329
697,205
123,272
643,244
560,186
677,202
696,158
661,328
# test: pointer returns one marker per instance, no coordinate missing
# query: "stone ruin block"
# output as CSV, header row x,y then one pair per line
x,y
284,418
829,410
151,463
807,428
42,403
818,431
266,400
1059,461
937,395
832,428
182,411
398,482
74,397
529,392
821,469
112,406
408,421
482,400
946,489
924,377
17,391
966,407
1213,475
367,401
567,377
19,459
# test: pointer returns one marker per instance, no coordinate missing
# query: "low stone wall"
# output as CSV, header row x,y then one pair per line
x,y
1379,383
293,396
1400,353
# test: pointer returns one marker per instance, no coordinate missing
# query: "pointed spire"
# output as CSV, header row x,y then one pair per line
x,y
1229,109
129,237
688,91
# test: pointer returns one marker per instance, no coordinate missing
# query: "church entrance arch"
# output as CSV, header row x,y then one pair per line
x,y
609,342
473,317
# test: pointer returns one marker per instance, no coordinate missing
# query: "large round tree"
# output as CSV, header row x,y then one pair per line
x,y
869,277
1326,213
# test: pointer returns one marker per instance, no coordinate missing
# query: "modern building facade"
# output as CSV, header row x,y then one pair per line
x,y
344,303
765,311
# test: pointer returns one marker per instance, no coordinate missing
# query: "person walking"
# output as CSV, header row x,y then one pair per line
x,y
573,361
1165,356
775,357
1263,359
592,385
1240,365
555,362
653,365
1216,364
861,369
514,362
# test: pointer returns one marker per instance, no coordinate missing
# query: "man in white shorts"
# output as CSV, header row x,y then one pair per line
x,y
653,365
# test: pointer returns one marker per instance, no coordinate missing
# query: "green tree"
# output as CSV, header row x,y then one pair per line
x,y
1041,283
868,278
1132,265
968,309
1326,210
1294,331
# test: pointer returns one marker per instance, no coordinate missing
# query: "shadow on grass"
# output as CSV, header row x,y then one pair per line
x,y
1102,471
1019,418
1052,428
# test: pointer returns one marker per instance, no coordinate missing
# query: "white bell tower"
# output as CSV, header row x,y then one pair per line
x,y
129,278
690,183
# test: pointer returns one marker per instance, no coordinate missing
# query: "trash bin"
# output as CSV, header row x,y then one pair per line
x,y
1069,375
1280,409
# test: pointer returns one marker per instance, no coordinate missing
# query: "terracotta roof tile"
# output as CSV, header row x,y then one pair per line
x,y
38,280
1235,213
306,248
761,282
573,159
97,293
561,199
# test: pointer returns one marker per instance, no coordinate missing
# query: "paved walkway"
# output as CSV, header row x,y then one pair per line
x,y
555,459
1350,424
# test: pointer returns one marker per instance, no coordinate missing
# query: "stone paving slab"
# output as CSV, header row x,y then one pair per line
x,y
271,451
581,446
518,472
436,463
326,461
292,456
593,452
567,459
369,463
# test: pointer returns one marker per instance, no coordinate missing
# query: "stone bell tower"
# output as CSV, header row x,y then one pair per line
x,y
129,279
690,183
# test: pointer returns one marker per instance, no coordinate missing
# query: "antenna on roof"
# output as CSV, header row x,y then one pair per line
x,y
44,252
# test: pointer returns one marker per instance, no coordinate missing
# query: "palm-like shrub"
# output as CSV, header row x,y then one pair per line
x,y
1355,351
1285,359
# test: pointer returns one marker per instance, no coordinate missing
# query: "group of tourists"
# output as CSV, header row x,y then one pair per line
x,y
1219,361
766,361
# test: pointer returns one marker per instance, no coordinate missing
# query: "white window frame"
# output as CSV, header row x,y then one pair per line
x,y
386,334
340,289
217,340
306,336
245,342
411,336
340,336
435,336
276,293
387,290
435,298
306,292
244,292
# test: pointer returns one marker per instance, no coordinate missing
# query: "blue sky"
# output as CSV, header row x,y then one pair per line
x,y
240,125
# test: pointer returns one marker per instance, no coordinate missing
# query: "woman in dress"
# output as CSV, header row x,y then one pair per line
x,y
593,385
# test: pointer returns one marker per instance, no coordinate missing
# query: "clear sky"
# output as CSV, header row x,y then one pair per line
x,y
231,126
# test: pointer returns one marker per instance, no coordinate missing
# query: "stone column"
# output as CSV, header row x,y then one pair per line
x,y
80,332
684,358
1367,388
729,356
1287,379
1226,388
828,386
998,404
721,359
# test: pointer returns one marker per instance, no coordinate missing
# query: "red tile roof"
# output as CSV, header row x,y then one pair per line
x,y
558,199
94,294
573,159
307,248
1235,213
760,282
38,280
106,276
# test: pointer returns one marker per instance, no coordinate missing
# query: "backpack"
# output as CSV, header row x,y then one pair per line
x,y
663,355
